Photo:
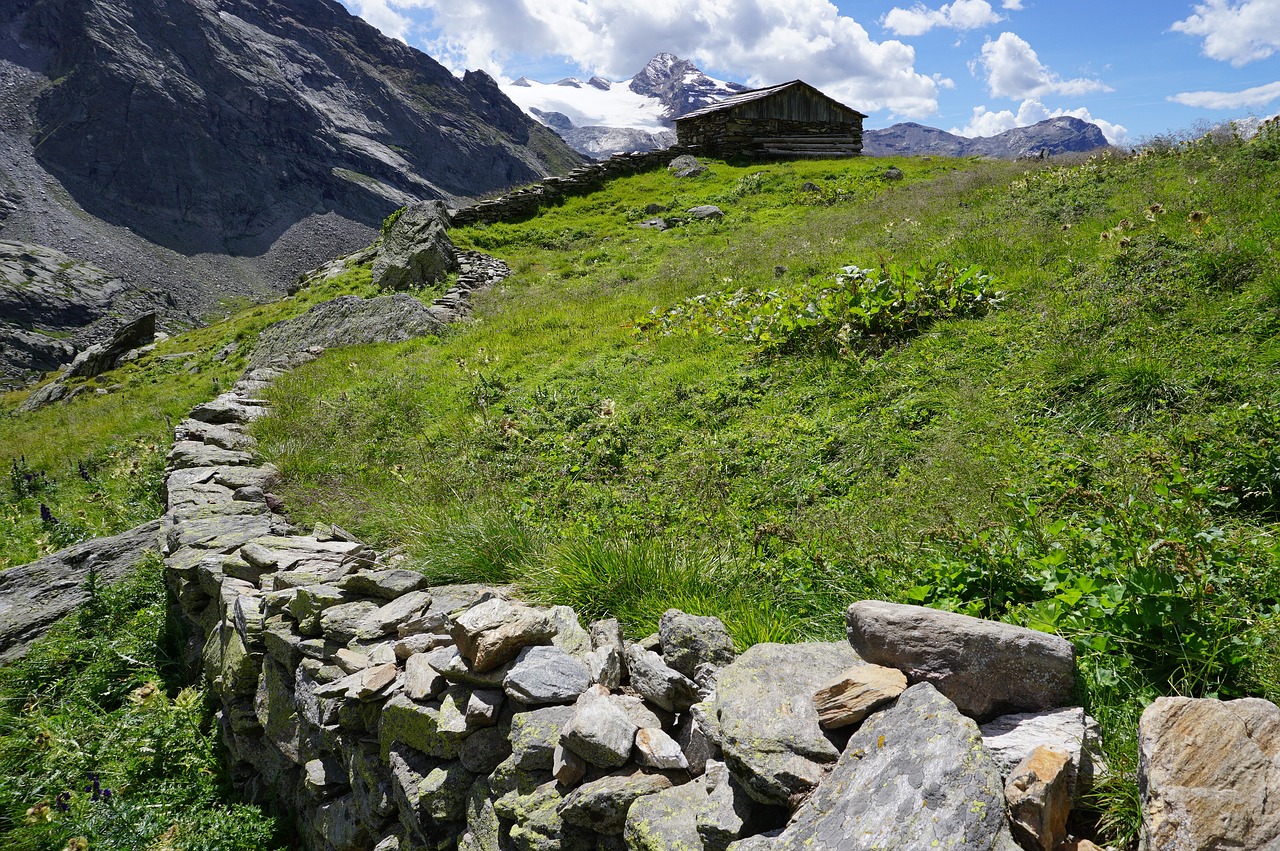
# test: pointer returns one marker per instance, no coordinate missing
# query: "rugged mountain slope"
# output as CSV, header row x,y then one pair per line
x,y
218,147
1053,136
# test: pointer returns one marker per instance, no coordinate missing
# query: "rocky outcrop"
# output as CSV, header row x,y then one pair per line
x,y
211,151
679,85
52,307
415,251
214,127
35,595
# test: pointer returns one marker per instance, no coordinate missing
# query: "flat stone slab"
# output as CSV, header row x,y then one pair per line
x,y
986,668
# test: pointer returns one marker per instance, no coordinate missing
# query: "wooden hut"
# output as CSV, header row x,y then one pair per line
x,y
788,120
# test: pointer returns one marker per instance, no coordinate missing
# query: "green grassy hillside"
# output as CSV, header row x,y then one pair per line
x,y
1046,393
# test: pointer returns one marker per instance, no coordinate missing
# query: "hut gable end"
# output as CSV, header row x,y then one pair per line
x,y
789,120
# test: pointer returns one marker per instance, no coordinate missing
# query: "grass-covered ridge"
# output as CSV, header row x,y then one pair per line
x,y
95,464
1096,456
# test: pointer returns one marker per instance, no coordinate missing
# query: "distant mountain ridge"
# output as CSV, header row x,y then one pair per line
x,y
1064,134
598,117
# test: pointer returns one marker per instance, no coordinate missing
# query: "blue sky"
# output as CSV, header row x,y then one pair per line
x,y
973,66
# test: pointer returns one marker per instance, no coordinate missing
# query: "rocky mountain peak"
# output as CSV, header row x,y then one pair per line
x,y
680,85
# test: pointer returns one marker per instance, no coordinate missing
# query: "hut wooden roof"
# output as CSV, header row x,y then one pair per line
x,y
761,94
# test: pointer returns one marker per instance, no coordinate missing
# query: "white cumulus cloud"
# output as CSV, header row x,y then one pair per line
x,y
1013,70
1238,32
760,41
960,15
985,122
1256,96
382,16
1012,5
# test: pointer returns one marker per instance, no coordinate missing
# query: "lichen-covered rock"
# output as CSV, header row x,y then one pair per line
x,y
1209,772
666,820
985,667
914,776
535,734
341,623
602,805
767,724
546,674
384,584
484,750
689,640
416,725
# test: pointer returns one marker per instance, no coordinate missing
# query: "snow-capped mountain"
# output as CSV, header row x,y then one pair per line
x,y
599,117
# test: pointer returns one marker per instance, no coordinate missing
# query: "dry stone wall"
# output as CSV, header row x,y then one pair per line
x,y
526,202
385,714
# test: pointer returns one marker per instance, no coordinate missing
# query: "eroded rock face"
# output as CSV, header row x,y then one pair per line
x,y
986,668
914,776
1209,772
52,306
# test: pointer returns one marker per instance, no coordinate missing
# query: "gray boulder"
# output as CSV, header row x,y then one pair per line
x,y
602,805
767,723
492,632
686,166
985,667
666,820
346,321
535,734
546,674
599,730
659,684
104,356
416,251
689,640
707,212
914,776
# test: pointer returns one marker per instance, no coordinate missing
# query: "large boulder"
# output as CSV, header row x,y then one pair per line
x,y
1209,773
985,667
345,321
103,356
416,251
914,776
768,725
